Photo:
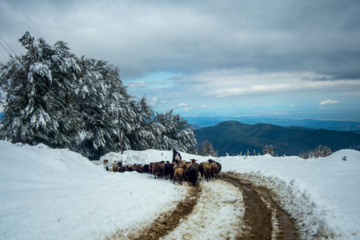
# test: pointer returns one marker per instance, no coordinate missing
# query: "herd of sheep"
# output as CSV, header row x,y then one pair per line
x,y
176,171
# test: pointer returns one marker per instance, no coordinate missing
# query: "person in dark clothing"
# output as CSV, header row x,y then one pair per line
x,y
176,156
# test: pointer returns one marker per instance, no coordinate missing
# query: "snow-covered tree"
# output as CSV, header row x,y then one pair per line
x,y
39,87
178,133
268,149
150,132
320,151
207,149
93,98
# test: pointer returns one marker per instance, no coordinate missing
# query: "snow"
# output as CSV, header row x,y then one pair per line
x,y
58,194
325,191
221,205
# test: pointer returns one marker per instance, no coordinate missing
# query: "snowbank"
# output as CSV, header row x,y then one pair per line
x,y
58,194
323,193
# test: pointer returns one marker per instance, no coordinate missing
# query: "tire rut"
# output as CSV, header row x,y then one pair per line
x,y
167,221
263,218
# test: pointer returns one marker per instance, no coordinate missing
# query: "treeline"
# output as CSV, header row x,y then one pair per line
x,y
54,97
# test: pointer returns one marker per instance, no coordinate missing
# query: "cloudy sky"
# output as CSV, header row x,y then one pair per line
x,y
298,59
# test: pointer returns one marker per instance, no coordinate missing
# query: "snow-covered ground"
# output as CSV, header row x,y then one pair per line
x,y
323,193
58,194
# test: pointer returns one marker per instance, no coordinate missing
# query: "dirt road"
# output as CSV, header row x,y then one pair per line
x,y
264,219
227,208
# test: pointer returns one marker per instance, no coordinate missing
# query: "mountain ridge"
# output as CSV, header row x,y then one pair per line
x,y
233,137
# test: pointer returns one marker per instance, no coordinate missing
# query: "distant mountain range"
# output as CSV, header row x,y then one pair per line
x,y
232,137
200,122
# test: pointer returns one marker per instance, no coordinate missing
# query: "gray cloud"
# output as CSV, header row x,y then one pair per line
x,y
189,36
217,49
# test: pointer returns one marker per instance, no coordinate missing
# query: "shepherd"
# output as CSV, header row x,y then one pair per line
x,y
176,156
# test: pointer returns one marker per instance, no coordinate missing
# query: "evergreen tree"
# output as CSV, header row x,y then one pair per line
x,y
93,97
39,87
177,134
150,132
207,149
320,151
268,149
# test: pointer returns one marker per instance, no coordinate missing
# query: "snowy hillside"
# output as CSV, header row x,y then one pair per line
x,y
58,194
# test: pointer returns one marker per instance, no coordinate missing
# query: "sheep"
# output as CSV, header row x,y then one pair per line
x,y
192,172
207,171
130,168
219,166
115,168
150,167
158,168
179,174
138,168
169,170
214,168
146,168
201,169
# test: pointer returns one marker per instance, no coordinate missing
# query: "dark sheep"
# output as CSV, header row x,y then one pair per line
x,y
150,167
158,168
219,166
146,168
169,170
201,169
193,174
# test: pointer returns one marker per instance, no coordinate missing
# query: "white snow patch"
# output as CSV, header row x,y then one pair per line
x,y
218,214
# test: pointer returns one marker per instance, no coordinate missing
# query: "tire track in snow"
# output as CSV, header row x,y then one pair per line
x,y
264,219
218,214
230,208
166,222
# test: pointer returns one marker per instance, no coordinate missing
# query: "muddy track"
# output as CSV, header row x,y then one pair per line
x,y
263,218
167,221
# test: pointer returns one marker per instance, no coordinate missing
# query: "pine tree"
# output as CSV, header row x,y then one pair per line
x,y
178,133
39,87
98,131
150,133
320,151
268,149
207,149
